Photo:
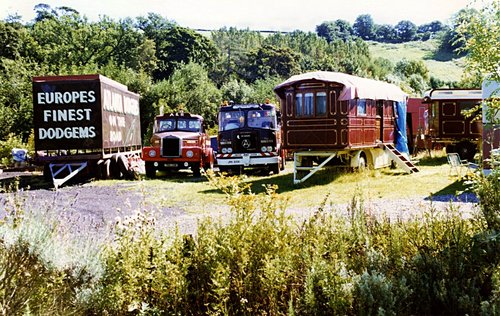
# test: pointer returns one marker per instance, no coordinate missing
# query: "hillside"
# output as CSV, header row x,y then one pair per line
x,y
450,70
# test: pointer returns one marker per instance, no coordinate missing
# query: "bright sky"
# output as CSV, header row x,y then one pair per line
x,y
278,15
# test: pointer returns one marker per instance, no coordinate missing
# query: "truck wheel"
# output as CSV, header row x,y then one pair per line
x,y
283,161
99,169
196,170
150,169
275,168
114,167
123,166
209,165
106,169
47,175
466,150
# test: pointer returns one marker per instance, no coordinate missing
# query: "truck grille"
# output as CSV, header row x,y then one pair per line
x,y
170,147
246,143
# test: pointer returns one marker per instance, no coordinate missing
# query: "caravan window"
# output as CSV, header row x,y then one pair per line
x,y
308,104
361,107
321,103
298,104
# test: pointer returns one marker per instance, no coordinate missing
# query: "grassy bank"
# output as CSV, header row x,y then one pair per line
x,y
337,186
441,67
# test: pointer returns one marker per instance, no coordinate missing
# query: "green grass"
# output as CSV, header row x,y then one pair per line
x,y
441,67
196,195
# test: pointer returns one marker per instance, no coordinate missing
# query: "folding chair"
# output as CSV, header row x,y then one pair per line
x,y
459,165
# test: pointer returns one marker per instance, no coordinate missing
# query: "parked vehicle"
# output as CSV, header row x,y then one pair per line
x,y
249,137
179,141
331,117
447,127
87,125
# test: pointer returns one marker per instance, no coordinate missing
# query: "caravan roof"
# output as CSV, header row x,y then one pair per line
x,y
354,87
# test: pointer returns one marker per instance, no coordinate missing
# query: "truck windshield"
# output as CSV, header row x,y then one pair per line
x,y
166,125
231,120
173,124
262,119
189,125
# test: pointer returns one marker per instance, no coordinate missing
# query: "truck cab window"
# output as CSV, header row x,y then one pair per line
x,y
262,119
194,126
231,120
166,125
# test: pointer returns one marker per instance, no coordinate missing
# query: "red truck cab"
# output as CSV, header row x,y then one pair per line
x,y
179,142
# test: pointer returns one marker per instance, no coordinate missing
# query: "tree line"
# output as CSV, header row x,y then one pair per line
x,y
174,67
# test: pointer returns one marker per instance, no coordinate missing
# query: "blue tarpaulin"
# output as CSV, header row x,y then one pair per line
x,y
400,140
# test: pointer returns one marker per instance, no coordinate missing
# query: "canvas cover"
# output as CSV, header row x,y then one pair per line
x,y
354,87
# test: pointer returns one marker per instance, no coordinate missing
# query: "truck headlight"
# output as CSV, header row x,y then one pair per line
x,y
152,153
269,148
224,150
189,154
263,149
229,150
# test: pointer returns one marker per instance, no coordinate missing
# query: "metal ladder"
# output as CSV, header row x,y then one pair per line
x,y
401,160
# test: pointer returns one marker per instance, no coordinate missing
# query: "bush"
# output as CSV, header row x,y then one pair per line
x,y
260,260
6,147
38,273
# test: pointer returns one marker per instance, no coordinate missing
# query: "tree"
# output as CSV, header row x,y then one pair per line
x,y
364,27
326,30
405,31
10,41
480,34
339,29
426,31
233,46
450,41
188,89
178,45
385,33
272,61
406,68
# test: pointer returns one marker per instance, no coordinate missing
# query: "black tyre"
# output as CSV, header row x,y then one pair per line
x,y
275,168
466,150
150,169
47,175
282,161
99,170
106,169
196,170
114,168
123,166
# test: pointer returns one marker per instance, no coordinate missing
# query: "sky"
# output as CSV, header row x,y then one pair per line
x,y
275,15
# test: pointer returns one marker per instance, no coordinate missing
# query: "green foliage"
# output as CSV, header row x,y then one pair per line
x,y
188,89
271,61
12,141
236,91
259,259
39,273
364,26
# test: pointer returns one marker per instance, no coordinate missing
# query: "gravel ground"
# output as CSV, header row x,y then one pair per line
x,y
90,208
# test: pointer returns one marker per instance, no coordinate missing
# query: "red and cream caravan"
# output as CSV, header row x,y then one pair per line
x,y
331,116
446,124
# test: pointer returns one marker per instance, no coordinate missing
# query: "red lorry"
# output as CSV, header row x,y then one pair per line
x,y
179,141
85,125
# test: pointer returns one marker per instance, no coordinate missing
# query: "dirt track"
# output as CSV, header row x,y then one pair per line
x,y
89,207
